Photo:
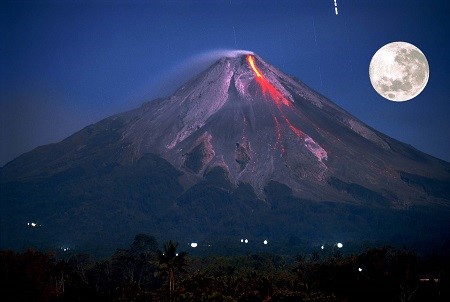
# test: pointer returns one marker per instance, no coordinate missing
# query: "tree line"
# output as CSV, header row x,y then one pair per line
x,y
143,272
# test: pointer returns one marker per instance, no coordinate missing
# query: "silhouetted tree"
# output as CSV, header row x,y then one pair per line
x,y
144,243
79,263
170,260
143,250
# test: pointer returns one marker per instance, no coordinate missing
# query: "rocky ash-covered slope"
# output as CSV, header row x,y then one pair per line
x,y
241,149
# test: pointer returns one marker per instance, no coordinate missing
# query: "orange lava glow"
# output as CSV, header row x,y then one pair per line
x,y
266,86
278,143
251,61
294,129
277,125
270,91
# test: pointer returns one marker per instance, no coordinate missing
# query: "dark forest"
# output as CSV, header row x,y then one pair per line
x,y
143,272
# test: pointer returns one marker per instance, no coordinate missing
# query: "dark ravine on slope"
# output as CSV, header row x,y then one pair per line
x,y
240,150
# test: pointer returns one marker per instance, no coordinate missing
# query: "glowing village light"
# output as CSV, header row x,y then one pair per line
x,y
242,240
265,242
359,269
246,240
322,247
176,254
339,245
194,244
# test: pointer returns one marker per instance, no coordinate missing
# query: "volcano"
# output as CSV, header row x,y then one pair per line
x,y
242,148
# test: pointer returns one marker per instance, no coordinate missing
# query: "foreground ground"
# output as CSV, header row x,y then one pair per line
x,y
144,273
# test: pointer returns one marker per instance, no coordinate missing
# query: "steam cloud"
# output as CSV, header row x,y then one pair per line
x,y
183,71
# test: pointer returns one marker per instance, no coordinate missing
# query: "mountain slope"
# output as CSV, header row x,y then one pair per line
x,y
219,146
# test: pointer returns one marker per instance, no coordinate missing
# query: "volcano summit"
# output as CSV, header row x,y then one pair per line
x,y
241,148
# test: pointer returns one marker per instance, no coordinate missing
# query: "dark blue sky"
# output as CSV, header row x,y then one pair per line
x,y
66,64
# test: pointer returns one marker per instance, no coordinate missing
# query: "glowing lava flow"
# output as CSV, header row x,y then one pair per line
x,y
279,99
277,125
278,142
275,95
266,86
251,61
294,129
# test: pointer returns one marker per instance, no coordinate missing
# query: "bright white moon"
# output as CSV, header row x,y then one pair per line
x,y
399,71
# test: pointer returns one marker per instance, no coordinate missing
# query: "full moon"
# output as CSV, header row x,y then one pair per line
x,y
399,71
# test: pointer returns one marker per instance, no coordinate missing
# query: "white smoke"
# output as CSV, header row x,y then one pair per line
x,y
214,55
197,63
182,71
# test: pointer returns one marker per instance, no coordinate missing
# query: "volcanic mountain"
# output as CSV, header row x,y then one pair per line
x,y
241,148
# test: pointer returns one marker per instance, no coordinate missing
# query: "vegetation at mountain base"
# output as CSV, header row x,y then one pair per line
x,y
101,211
142,272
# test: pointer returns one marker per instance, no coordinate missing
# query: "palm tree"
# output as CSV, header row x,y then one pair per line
x,y
170,260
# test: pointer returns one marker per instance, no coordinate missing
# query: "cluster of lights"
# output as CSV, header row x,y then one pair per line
x,y
32,224
195,244
65,249
339,246
265,242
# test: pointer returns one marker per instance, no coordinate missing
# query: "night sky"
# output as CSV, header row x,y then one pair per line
x,y
66,64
